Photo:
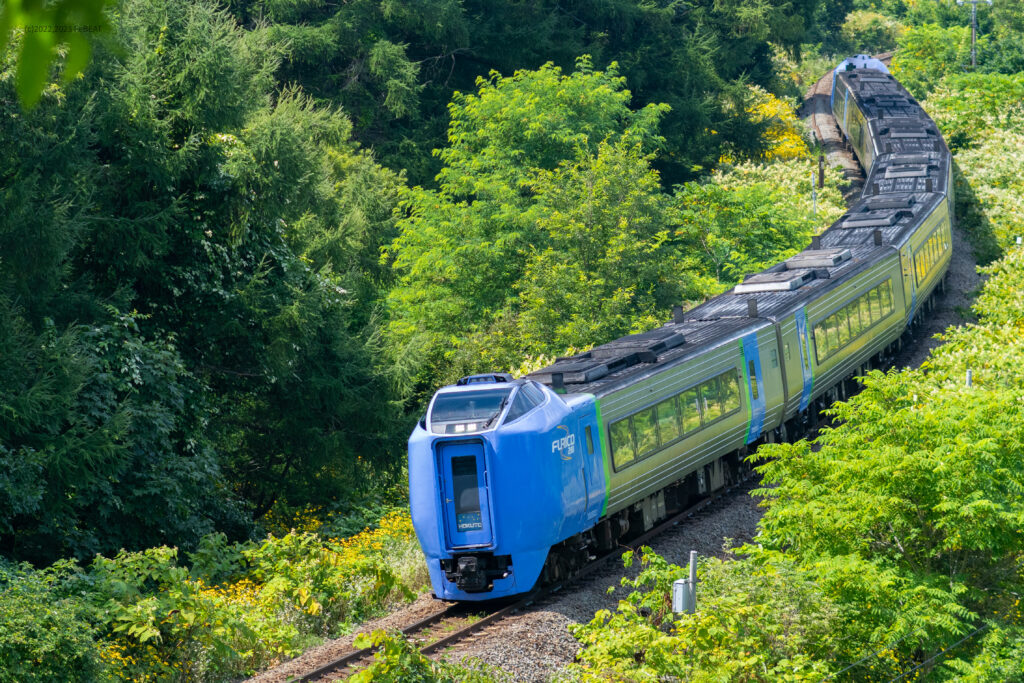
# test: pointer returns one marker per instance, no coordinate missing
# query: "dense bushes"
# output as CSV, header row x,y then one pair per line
x,y
230,610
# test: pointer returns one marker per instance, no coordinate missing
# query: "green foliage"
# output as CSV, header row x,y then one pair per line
x,y
188,294
550,229
399,661
239,608
757,621
394,66
42,27
751,216
929,52
526,152
870,32
967,107
45,634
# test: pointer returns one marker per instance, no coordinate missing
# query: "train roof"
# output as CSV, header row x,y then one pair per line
x,y
782,289
907,173
898,123
777,293
619,363
881,220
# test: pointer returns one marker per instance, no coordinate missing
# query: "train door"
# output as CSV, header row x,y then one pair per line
x,y
567,448
909,286
755,386
806,371
464,487
591,466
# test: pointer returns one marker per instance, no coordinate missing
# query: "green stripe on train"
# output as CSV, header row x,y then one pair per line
x,y
605,456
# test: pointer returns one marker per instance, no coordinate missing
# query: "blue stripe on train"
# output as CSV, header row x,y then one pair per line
x,y
757,404
805,358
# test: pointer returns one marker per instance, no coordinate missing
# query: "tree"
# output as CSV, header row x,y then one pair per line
x,y
188,293
464,249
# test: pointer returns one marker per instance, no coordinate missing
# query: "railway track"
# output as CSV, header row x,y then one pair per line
x,y
459,622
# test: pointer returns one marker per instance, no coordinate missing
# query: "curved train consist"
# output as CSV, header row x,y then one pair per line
x,y
515,481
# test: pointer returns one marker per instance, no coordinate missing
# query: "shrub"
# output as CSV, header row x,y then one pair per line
x,y
763,621
45,634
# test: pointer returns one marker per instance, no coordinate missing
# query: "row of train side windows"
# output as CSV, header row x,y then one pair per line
x,y
930,253
842,327
643,433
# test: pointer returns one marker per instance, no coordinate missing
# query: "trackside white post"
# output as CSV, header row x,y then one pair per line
x,y
684,591
970,377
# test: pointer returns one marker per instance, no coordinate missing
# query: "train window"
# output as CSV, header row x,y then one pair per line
x,y
775,358
535,393
853,320
711,392
885,289
527,398
785,350
752,372
832,327
876,303
590,441
623,449
730,391
668,420
467,411
689,404
843,324
645,427
864,303
820,341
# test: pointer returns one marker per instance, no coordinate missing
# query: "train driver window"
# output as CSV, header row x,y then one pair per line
x,y
590,441
753,380
524,402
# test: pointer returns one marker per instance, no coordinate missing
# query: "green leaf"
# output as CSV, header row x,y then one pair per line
x,y
79,51
33,66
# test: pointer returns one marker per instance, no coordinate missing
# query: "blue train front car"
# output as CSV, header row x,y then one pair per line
x,y
500,470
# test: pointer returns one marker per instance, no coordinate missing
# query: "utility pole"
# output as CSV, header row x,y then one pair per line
x,y
974,28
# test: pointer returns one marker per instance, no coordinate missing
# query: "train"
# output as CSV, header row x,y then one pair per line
x,y
516,482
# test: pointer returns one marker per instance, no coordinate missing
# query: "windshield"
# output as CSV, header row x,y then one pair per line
x,y
467,411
